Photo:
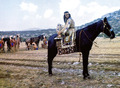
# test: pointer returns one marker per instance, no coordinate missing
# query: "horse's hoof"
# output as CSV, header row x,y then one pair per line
x,y
50,75
86,77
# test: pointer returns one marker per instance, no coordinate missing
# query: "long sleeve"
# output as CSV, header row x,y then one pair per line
x,y
67,25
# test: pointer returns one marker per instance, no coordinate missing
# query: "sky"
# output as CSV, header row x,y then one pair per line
x,y
18,15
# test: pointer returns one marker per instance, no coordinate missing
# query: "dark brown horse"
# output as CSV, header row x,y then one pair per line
x,y
33,39
7,40
84,42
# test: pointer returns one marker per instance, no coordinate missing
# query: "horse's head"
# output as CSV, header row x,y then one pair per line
x,y
107,29
41,37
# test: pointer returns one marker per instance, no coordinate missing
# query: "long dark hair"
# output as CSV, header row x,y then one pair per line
x,y
65,19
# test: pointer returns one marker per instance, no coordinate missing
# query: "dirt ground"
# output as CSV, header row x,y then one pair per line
x,y
28,69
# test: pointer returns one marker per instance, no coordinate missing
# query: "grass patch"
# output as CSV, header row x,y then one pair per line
x,y
5,80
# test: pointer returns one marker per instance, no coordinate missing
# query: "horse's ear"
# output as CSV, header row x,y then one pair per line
x,y
105,19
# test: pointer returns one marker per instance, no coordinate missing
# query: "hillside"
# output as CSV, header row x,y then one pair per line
x,y
113,18
28,34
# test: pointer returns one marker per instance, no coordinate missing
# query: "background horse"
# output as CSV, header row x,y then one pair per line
x,y
84,42
33,39
8,44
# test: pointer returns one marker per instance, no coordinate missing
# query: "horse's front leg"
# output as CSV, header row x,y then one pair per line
x,y
8,46
28,47
37,43
85,55
4,48
51,54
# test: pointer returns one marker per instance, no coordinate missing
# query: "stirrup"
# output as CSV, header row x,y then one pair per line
x,y
56,38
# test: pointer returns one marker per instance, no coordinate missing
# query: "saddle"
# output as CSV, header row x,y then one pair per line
x,y
65,45
65,42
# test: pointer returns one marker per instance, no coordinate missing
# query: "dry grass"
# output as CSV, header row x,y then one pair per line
x,y
28,69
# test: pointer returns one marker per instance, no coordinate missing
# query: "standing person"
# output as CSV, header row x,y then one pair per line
x,y
15,42
1,45
34,46
44,45
69,28
12,44
18,42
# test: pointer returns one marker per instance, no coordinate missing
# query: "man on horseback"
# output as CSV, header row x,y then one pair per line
x,y
67,32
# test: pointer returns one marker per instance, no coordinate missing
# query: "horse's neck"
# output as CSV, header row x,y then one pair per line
x,y
40,36
95,32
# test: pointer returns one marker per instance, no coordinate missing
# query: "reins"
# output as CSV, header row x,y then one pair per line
x,y
104,24
87,38
80,42
91,40
79,45
80,39
106,28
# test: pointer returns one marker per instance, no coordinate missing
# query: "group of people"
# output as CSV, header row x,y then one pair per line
x,y
13,43
44,44
33,43
1,45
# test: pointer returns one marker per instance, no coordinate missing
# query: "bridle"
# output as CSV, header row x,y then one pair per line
x,y
104,26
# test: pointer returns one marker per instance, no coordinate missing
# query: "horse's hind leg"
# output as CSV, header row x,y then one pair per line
x,y
50,65
85,64
28,47
8,46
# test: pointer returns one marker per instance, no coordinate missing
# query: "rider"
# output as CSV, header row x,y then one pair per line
x,y
68,29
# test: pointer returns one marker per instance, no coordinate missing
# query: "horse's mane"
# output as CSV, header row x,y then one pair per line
x,y
90,31
6,39
40,35
92,26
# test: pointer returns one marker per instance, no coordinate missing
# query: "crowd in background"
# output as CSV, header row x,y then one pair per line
x,y
1,45
43,45
13,44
